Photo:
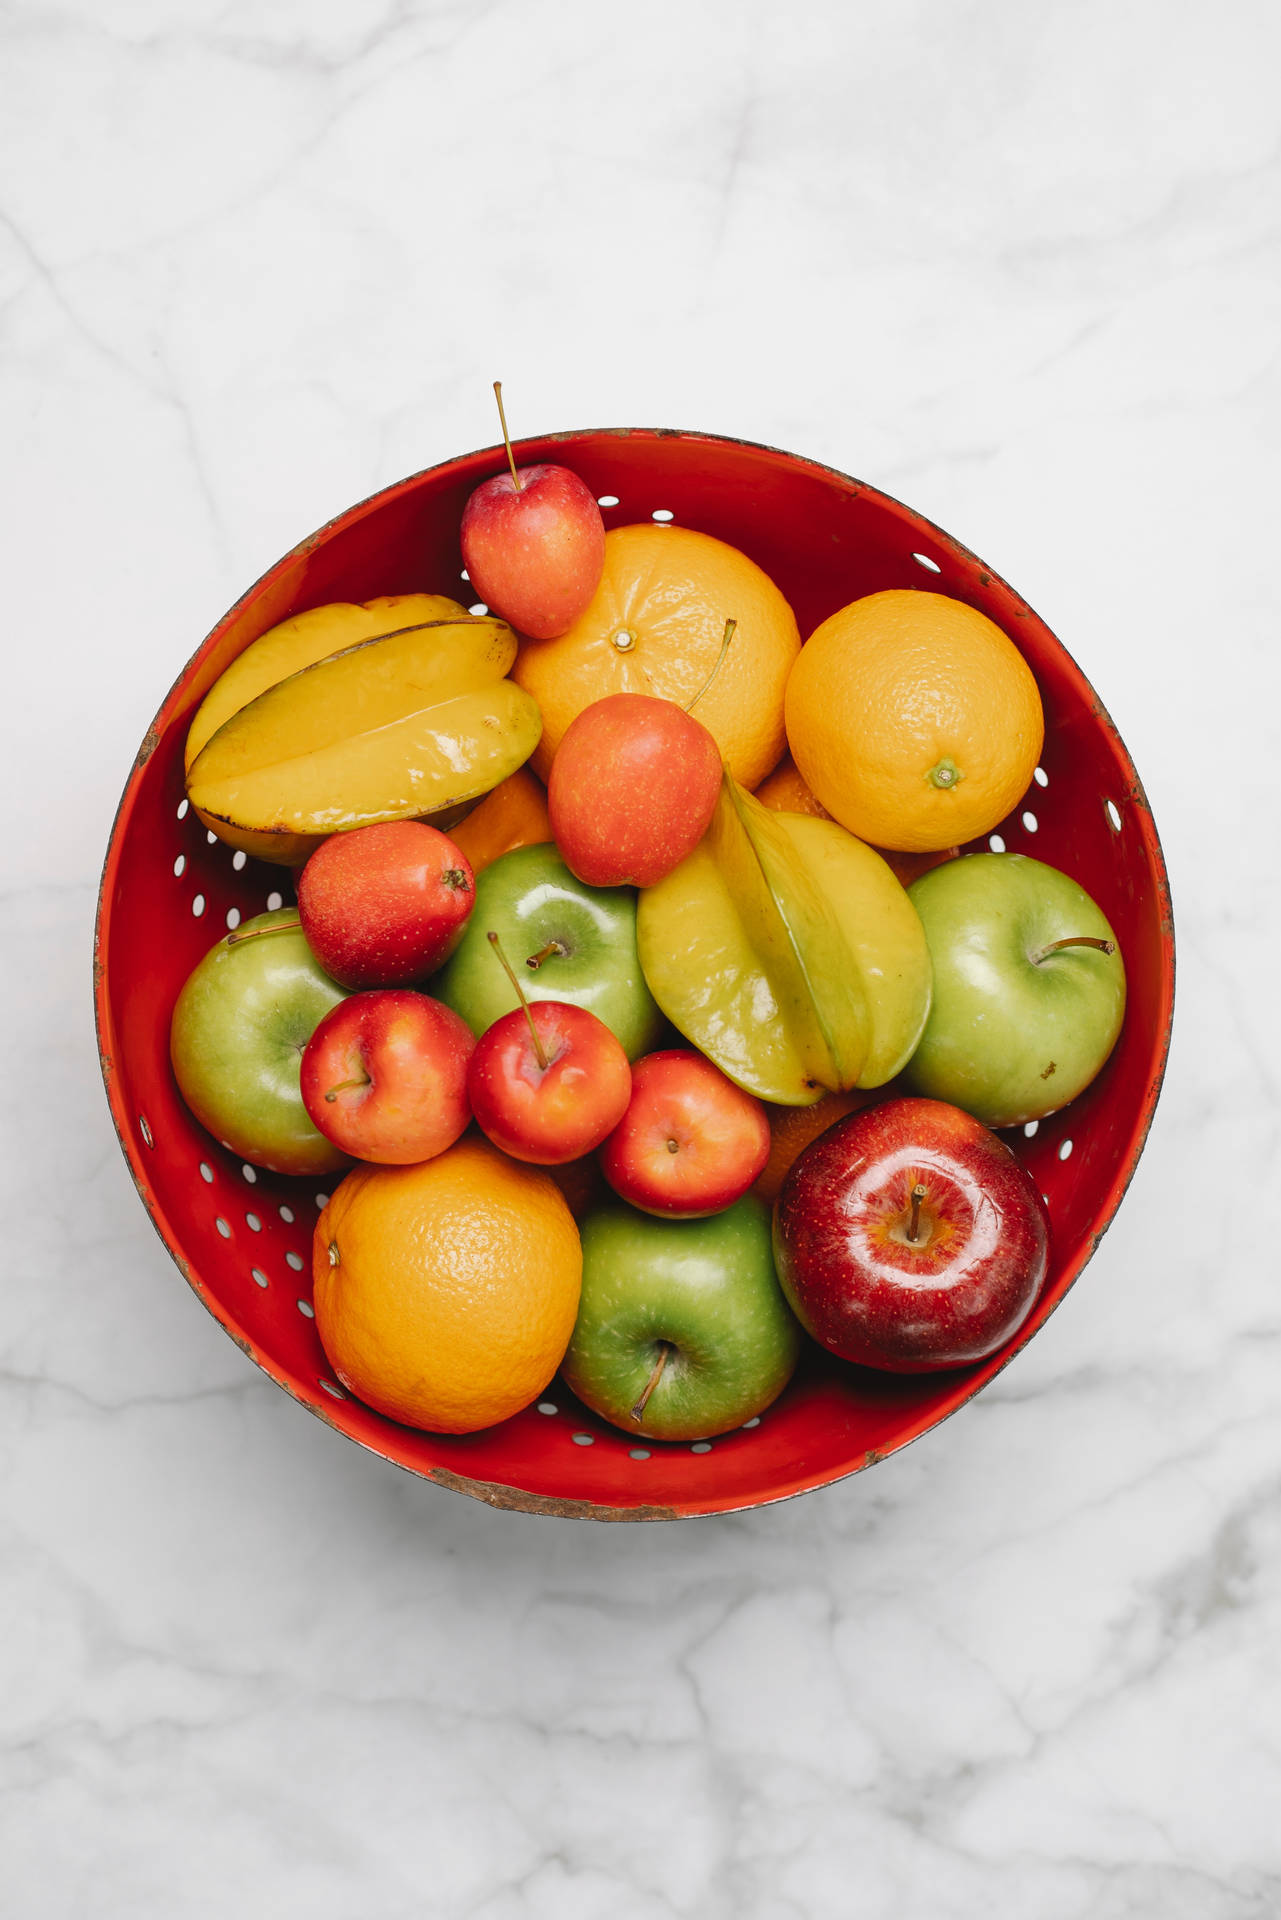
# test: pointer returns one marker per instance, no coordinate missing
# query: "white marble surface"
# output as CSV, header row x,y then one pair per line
x,y
1019,265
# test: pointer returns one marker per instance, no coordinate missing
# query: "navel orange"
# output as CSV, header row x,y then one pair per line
x,y
445,1293
914,720
655,625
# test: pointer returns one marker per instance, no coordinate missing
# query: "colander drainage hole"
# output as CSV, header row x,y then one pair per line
x,y
638,1453
923,560
701,1446
548,1406
222,1227
584,1439
233,918
198,905
755,1421
607,500
250,1173
464,575
1113,814
238,858
253,1223
274,902
662,514
1065,1149
1031,822
1041,777
322,1201
184,807
259,1276
287,1215
478,609
294,1260
180,866
1030,1129
996,843
306,1309
206,1172
330,1388
145,1130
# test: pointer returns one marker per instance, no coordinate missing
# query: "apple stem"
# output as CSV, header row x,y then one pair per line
x,y
918,1194
1072,940
511,458
539,1051
345,1086
726,637
548,952
665,1349
252,933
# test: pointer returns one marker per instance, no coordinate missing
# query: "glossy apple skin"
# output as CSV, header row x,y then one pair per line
x,y
532,901
1009,1038
241,1021
413,1052
857,1285
385,905
548,1115
632,790
721,1138
708,1288
534,554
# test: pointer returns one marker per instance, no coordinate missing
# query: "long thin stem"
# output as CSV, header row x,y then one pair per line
x,y
345,1086
665,1349
511,458
253,933
1072,940
539,1052
730,629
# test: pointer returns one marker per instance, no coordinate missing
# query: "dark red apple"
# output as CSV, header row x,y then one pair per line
x,y
632,790
387,1081
690,1143
385,905
908,1237
534,547
548,1082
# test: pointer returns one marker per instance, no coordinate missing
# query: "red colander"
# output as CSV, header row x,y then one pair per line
x,y
242,1237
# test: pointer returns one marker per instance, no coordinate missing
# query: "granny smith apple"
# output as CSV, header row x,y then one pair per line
x,y
239,1027
1029,988
567,942
683,1331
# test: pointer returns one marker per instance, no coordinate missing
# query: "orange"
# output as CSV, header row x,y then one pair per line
x,y
513,815
914,720
786,792
655,625
445,1293
792,1128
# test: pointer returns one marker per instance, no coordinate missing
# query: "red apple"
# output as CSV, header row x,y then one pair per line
x,y
388,1080
548,1081
908,1237
534,547
632,789
690,1143
385,905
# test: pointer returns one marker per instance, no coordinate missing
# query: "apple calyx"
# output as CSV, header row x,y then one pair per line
x,y
553,949
502,419
665,1350
540,1052
254,933
1072,940
455,879
731,627
945,774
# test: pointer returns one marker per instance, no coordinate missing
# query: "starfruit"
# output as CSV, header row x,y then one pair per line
x,y
410,724
787,952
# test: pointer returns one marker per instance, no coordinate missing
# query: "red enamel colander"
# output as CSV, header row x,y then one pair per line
x,y
242,1237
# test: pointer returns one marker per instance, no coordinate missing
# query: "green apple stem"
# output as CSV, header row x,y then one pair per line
x,y
345,1086
665,1349
726,637
914,1221
511,458
549,952
539,1052
253,933
1072,940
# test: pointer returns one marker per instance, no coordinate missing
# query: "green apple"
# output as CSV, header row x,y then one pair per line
x,y
1029,988
567,941
240,1024
683,1331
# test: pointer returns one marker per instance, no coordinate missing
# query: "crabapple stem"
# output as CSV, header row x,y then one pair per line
x,y
502,417
918,1194
252,933
552,948
539,1053
665,1348
726,637
1072,940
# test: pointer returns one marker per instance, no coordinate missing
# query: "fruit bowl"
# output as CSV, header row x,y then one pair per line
x,y
242,1237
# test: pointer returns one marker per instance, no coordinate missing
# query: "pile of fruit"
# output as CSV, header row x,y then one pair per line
x,y
636,966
